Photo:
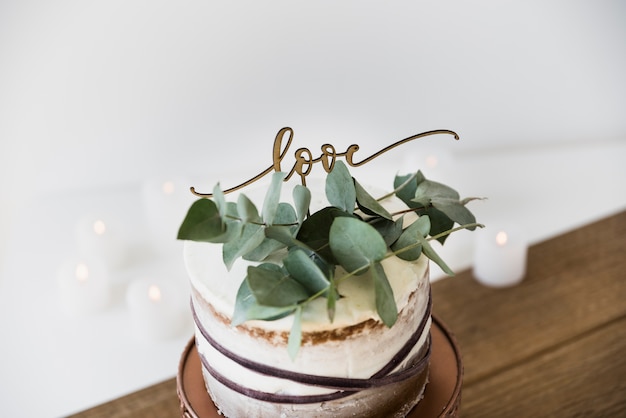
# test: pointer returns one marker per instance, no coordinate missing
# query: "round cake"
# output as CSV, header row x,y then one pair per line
x,y
354,366
318,309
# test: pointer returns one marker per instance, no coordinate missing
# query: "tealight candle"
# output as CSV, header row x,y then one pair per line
x,y
156,308
500,256
99,236
83,286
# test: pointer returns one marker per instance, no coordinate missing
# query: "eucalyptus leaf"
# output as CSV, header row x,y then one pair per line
x,y
390,230
435,189
202,222
247,308
251,237
270,204
220,200
439,222
430,253
331,301
340,190
283,235
306,272
285,217
295,334
368,204
273,288
356,244
406,186
302,201
455,210
385,301
246,209
409,246
315,230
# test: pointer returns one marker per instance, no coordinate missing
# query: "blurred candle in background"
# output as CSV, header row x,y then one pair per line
x,y
165,203
100,236
83,286
158,308
500,255
434,162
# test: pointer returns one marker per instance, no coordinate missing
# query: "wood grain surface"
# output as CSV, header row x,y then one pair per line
x,y
552,346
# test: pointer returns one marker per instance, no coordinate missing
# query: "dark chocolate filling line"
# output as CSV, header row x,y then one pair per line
x,y
346,386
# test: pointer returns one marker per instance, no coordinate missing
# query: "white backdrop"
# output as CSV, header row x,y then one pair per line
x,y
98,97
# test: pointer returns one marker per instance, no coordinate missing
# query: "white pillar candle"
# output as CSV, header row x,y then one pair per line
x,y
83,286
100,236
165,203
157,308
500,255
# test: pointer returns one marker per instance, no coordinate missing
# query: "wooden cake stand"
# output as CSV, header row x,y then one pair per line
x,y
441,398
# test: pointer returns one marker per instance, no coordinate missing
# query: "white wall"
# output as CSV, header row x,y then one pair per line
x,y
105,94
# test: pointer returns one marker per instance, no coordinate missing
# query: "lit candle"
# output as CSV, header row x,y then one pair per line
x,y
157,309
500,256
99,236
165,203
83,286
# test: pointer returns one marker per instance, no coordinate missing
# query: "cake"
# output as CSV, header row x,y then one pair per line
x,y
321,308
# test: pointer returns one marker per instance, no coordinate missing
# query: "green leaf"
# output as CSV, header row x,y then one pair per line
x,y
408,246
202,223
270,204
306,272
251,237
455,210
246,210
390,230
356,244
286,218
385,301
428,190
295,335
247,308
220,200
368,204
331,300
274,288
439,222
315,231
430,253
405,187
446,209
302,201
283,235
340,190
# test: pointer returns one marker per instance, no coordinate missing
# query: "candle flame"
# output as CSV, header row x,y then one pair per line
x,y
99,227
154,293
168,187
501,238
82,272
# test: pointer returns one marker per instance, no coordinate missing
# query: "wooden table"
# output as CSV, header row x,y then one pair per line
x,y
553,346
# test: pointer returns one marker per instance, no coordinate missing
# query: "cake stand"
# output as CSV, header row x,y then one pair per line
x,y
442,396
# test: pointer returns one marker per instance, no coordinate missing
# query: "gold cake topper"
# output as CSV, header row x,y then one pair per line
x,y
305,161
